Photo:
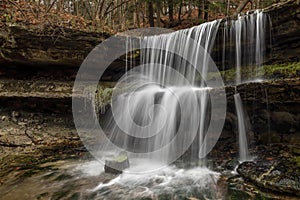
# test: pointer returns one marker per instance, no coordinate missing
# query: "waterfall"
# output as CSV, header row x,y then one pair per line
x,y
242,129
163,106
248,34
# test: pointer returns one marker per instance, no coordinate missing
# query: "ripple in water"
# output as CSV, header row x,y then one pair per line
x,y
169,183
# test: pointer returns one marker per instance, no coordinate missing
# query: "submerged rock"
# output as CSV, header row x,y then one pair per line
x,y
117,164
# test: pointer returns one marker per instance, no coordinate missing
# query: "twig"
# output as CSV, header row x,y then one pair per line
x,y
116,7
16,5
34,14
6,144
52,4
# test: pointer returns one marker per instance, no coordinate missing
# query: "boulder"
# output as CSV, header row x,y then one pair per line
x,y
117,164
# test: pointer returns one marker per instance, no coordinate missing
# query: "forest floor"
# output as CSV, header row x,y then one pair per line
x,y
29,13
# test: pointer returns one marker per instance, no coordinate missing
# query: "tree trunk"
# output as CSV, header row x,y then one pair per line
x,y
150,14
171,12
227,9
180,10
137,14
200,9
158,7
206,7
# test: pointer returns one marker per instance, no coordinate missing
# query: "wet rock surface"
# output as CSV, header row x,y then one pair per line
x,y
117,164
26,132
38,134
276,168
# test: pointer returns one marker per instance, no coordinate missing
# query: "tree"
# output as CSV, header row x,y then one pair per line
x,y
150,13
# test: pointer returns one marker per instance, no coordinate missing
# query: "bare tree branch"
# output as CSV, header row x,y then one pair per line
x,y
122,3
241,6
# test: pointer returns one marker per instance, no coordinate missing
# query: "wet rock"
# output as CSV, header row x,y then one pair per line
x,y
296,150
275,169
21,123
268,137
283,121
15,114
230,121
231,164
117,164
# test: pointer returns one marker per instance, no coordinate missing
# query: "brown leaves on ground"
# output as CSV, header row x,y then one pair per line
x,y
31,13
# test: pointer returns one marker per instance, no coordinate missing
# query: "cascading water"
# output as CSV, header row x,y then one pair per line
x,y
242,129
163,108
168,102
248,35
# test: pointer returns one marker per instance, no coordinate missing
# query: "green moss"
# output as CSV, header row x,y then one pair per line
x,y
235,194
121,158
287,69
297,160
296,151
267,71
261,196
102,96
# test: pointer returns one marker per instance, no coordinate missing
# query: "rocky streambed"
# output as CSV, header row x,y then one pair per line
x,y
42,156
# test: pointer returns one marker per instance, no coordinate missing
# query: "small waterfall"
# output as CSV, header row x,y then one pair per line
x,y
248,34
242,129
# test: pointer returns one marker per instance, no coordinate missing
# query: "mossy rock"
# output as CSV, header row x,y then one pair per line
x,y
275,71
296,151
117,164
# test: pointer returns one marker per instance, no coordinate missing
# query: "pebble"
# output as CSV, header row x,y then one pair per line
x,y
3,118
21,123
28,143
15,114
2,133
14,119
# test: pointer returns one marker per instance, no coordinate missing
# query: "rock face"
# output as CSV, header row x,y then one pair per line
x,y
46,46
272,108
285,19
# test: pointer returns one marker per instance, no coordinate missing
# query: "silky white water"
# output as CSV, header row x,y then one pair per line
x,y
161,111
248,36
162,108
242,130
171,182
